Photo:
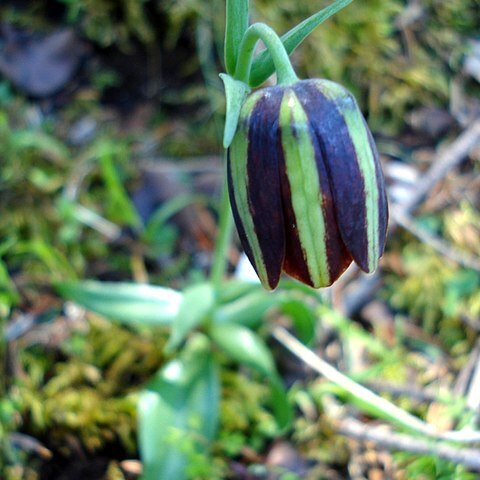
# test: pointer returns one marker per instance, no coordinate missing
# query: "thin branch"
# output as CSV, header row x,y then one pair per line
x,y
473,393
382,407
435,242
445,161
385,439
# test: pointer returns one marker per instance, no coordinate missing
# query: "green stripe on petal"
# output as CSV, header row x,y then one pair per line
x,y
306,196
358,133
238,166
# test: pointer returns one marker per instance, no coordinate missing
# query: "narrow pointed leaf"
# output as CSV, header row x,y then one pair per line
x,y
130,303
235,27
262,66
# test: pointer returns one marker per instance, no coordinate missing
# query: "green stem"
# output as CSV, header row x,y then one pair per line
x,y
222,244
259,31
235,26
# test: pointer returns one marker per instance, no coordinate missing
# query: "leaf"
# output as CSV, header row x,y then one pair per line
x,y
120,204
248,310
234,289
262,66
196,304
235,92
178,413
158,219
247,348
131,303
235,26
50,256
244,347
282,408
302,316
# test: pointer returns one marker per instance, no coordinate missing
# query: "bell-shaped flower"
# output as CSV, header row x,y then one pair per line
x,y
305,184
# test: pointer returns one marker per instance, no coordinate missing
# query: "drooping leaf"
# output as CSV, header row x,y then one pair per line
x,y
129,303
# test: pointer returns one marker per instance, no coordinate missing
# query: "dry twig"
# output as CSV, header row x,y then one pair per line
x,y
446,160
381,406
435,242
385,439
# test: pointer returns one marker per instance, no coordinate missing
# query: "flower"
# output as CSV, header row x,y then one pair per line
x,y
305,184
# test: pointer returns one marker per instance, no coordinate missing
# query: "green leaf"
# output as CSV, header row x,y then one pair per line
x,y
262,66
178,413
247,310
50,256
235,92
235,26
247,348
303,318
196,304
131,303
282,408
159,218
120,205
234,289
244,347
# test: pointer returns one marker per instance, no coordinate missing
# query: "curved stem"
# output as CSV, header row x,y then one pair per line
x,y
222,243
259,31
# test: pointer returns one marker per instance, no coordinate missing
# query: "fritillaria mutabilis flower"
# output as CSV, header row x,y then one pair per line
x,y
305,184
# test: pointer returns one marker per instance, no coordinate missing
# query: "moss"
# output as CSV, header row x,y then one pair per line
x,y
436,293
91,392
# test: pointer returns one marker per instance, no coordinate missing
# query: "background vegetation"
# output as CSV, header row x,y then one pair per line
x,y
134,129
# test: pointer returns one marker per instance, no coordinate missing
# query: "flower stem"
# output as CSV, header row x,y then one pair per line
x,y
222,244
259,31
